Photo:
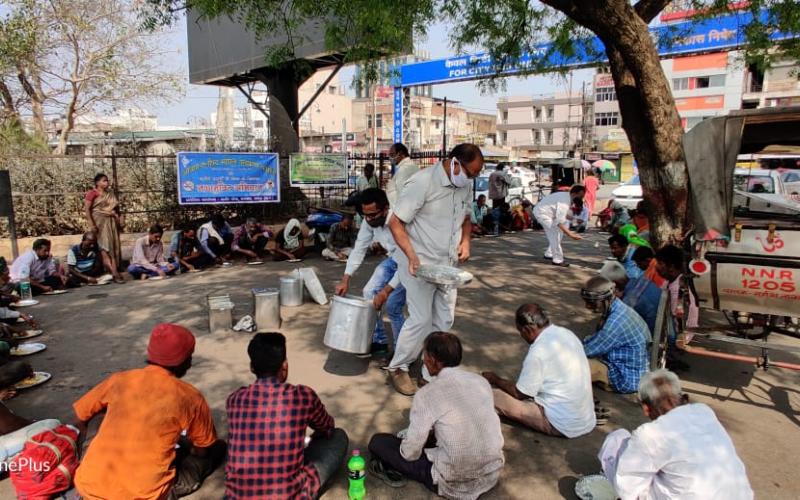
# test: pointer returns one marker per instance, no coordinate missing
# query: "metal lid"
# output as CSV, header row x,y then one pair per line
x,y
290,279
266,291
353,300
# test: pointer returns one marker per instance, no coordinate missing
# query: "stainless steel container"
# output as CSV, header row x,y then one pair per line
x,y
220,313
351,323
291,291
267,309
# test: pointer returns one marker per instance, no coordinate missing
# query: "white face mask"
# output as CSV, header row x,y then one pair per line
x,y
459,180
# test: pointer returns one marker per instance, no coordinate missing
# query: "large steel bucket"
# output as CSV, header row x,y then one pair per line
x,y
267,309
291,291
351,323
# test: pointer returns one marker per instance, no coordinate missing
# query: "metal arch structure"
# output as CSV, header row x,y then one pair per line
x,y
719,34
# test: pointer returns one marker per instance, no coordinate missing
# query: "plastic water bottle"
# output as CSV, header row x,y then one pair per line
x,y
356,473
25,292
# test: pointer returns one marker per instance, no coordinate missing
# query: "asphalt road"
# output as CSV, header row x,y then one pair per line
x,y
95,331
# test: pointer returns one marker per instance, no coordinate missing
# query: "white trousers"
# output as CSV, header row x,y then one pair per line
x,y
431,308
554,235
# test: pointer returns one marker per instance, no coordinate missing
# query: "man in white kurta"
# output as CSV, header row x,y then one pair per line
x,y
551,212
431,225
403,169
684,453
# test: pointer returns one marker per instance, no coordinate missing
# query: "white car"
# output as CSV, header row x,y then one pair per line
x,y
520,188
791,181
762,190
629,193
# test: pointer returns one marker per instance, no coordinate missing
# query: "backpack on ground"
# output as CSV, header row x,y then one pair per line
x,y
46,465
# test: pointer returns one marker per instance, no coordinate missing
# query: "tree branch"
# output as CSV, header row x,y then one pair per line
x,y
647,10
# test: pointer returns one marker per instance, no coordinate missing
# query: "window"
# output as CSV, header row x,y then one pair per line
x,y
258,124
680,84
548,137
436,124
538,115
536,136
505,137
603,94
378,121
505,117
331,89
606,119
791,177
754,184
716,81
419,123
550,113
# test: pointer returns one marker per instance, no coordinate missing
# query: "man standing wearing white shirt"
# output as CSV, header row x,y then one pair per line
x,y
431,225
551,212
553,394
402,170
683,453
384,285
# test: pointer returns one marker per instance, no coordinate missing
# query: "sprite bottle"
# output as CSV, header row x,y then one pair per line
x,y
356,473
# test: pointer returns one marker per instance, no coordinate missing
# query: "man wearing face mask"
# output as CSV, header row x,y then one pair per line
x,y
402,170
431,225
384,286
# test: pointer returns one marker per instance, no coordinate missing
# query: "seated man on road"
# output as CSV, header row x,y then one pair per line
x,y
623,252
85,261
617,351
480,217
147,412
453,445
267,423
41,269
553,394
290,242
644,257
640,293
185,250
251,240
11,370
619,217
578,216
216,238
683,452
670,264
384,286
7,315
341,238
148,256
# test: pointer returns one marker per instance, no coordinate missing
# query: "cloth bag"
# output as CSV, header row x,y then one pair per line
x,y
46,465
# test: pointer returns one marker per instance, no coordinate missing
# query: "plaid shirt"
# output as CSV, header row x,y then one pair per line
x,y
267,423
622,344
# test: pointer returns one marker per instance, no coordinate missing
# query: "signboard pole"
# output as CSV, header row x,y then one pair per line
x,y
397,113
7,210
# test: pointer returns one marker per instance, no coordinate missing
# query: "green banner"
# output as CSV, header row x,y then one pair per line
x,y
317,169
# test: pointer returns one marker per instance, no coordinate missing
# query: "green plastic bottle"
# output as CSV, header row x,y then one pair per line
x,y
356,473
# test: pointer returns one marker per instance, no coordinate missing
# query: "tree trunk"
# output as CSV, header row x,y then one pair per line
x,y
69,124
649,116
9,109
37,102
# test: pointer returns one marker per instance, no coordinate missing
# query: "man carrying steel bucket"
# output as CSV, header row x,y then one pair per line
x,y
431,225
384,286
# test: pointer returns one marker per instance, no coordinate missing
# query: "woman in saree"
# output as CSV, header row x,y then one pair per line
x,y
102,212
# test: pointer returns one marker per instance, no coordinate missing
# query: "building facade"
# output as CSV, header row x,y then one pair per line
x,y
544,126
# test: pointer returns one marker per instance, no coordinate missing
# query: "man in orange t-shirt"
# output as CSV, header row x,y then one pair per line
x,y
148,411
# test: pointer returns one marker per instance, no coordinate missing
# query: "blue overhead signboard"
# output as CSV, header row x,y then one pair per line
x,y
721,33
214,178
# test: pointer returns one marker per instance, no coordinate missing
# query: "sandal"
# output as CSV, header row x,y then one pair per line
x,y
388,475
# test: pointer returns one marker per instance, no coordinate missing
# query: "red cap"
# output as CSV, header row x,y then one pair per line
x,y
170,345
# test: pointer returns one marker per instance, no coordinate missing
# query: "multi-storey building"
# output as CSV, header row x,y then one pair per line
x,y
544,126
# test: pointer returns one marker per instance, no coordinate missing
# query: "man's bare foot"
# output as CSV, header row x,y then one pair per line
x,y
143,277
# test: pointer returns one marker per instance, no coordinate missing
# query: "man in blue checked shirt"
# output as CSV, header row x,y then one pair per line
x,y
617,351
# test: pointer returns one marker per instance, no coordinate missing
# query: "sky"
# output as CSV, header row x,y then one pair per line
x,y
201,100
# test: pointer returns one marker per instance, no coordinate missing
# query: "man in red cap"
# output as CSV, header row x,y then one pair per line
x,y
148,412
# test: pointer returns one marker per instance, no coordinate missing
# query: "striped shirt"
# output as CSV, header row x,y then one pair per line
x,y
622,345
